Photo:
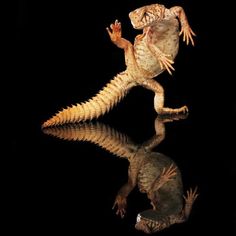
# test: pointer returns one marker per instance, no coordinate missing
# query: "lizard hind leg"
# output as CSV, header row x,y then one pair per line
x,y
162,111
154,86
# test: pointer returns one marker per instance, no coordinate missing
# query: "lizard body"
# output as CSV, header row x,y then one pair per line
x,y
154,173
153,52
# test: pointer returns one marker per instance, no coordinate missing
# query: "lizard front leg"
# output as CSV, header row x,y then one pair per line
x,y
116,37
154,86
189,200
115,34
165,176
185,27
120,201
164,60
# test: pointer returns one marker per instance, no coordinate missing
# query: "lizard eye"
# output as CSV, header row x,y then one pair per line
x,y
143,16
146,13
148,16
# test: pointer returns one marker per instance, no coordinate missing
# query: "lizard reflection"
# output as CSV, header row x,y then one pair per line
x,y
154,173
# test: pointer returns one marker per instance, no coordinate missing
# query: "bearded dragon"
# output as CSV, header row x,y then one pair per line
x,y
153,52
154,173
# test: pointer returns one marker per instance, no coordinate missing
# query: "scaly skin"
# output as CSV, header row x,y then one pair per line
x,y
154,173
153,52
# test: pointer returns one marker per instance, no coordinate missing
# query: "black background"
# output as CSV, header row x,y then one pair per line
x,y
63,55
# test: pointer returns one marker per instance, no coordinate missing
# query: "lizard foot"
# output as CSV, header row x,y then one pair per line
x,y
164,177
171,117
191,196
170,111
167,174
114,31
165,62
121,204
187,34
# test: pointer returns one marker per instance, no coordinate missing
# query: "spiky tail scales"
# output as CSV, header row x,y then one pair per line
x,y
97,106
100,134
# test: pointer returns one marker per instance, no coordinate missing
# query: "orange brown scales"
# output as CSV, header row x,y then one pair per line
x,y
152,53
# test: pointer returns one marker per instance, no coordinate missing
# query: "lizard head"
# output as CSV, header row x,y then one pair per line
x,y
147,15
147,222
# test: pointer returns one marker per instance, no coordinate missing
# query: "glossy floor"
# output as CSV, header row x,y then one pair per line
x,y
62,186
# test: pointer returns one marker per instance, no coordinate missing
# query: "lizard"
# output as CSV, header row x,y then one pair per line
x,y
155,174
152,53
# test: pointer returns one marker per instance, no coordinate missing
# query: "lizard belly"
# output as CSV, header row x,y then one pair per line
x,y
146,60
150,169
165,38
147,175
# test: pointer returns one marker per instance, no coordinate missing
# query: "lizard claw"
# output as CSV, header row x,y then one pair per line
x,y
114,31
165,62
121,205
191,195
187,34
167,174
183,110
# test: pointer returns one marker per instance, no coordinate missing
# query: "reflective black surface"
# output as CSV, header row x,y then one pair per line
x,y
58,186
154,173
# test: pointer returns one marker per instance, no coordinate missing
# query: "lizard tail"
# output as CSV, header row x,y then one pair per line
x,y
100,134
95,107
